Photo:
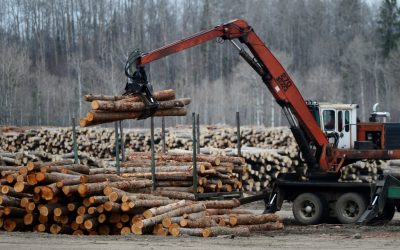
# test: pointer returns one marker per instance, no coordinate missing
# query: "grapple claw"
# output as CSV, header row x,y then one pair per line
x,y
138,85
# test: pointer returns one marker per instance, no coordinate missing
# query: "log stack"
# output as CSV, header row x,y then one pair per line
x,y
267,151
99,142
263,166
174,171
362,171
116,108
64,198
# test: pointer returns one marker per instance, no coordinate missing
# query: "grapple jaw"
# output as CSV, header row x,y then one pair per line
x,y
138,85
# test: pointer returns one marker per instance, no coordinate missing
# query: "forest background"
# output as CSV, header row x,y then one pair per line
x,y
52,52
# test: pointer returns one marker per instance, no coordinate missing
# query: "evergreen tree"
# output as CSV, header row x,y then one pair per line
x,y
388,26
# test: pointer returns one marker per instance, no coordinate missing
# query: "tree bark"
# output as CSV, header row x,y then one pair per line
x,y
125,106
139,226
252,219
163,209
222,204
162,95
216,231
265,226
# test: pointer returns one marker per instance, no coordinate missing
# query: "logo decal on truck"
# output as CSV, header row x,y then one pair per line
x,y
284,81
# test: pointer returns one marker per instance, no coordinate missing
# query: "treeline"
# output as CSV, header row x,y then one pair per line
x,y
55,51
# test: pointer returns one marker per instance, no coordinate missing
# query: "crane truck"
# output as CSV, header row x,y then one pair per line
x,y
329,136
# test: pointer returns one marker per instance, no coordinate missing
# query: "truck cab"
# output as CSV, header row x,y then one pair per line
x,y
337,121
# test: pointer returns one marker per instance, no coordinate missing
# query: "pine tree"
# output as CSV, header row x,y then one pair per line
x,y
388,26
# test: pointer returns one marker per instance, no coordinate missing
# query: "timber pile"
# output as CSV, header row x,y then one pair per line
x,y
392,167
262,165
278,151
65,198
174,171
116,108
21,158
225,137
363,171
99,142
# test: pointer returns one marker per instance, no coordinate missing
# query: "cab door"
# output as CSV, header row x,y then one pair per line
x,y
344,128
337,122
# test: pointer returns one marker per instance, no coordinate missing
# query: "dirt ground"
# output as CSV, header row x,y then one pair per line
x,y
294,236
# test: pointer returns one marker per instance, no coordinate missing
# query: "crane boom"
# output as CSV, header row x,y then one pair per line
x,y
305,128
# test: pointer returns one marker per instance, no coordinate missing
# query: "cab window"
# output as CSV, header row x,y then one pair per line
x,y
347,121
329,119
340,121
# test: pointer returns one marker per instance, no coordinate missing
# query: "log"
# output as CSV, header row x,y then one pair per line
x,y
175,195
191,231
265,227
78,168
162,175
14,211
252,219
104,117
139,226
125,106
98,199
9,191
53,177
161,95
199,223
221,211
93,178
95,188
22,187
68,182
222,204
163,209
217,231
70,190
151,203
11,224
29,219
110,206
49,192
9,201
188,158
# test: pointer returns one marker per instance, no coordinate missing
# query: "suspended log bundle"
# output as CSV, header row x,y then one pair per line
x,y
42,197
116,108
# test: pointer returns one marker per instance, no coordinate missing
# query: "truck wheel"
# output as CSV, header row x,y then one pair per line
x,y
308,209
349,207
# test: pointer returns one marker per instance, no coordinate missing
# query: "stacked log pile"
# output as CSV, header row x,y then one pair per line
x,y
362,171
21,158
99,142
64,198
116,108
263,166
174,171
278,153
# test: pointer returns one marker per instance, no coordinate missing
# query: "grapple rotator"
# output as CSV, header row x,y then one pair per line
x,y
138,85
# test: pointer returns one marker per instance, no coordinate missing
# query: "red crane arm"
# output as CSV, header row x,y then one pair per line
x,y
275,76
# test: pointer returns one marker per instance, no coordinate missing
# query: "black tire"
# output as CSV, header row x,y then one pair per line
x,y
308,209
349,207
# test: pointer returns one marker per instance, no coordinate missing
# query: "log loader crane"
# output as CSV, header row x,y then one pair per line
x,y
328,135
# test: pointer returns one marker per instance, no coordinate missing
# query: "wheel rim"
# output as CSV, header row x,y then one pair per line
x,y
351,209
308,209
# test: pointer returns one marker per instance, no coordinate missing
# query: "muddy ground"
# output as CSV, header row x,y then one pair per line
x,y
294,236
